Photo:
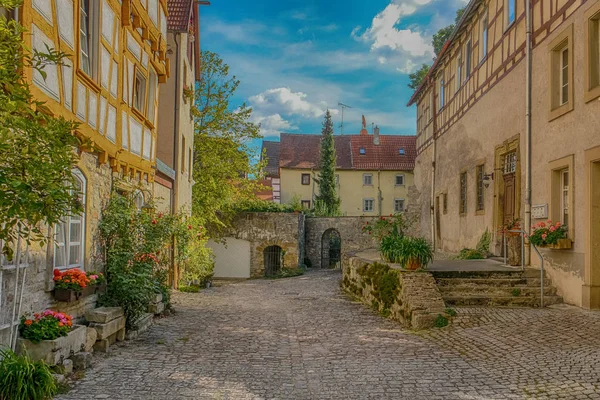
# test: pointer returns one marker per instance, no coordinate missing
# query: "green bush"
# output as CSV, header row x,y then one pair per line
x,y
483,246
23,379
414,250
469,254
440,321
287,273
258,205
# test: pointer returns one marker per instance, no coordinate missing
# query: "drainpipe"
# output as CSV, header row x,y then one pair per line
x,y
528,140
174,283
379,196
433,159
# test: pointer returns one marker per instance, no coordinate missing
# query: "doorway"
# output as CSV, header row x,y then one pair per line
x,y
331,249
272,257
592,282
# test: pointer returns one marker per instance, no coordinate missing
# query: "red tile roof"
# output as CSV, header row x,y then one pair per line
x,y
302,151
180,12
386,155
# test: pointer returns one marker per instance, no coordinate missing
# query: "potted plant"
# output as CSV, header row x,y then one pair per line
x,y
98,281
50,336
550,234
71,285
511,231
415,253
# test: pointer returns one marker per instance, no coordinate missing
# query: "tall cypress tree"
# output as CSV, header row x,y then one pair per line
x,y
327,202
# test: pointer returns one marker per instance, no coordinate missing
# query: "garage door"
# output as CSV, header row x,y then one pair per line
x,y
232,259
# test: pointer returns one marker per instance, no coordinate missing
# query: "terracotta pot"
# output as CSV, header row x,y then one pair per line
x,y
413,265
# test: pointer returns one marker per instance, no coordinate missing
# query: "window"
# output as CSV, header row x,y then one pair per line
x,y
367,179
442,94
305,204
401,151
69,249
463,193
190,163
564,198
362,151
305,179
139,92
398,205
592,53
561,189
138,199
480,187
183,149
483,41
399,180
337,179
561,74
88,36
458,70
431,105
510,162
510,11
368,205
468,59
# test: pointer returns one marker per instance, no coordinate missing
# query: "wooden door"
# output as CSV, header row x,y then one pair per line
x,y
509,197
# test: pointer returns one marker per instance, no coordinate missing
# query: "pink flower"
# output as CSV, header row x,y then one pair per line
x,y
558,224
552,228
544,236
542,224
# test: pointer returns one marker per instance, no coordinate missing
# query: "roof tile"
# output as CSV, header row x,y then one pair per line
x,y
180,12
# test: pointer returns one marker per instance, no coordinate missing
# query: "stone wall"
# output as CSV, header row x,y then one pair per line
x,y
270,229
349,228
416,302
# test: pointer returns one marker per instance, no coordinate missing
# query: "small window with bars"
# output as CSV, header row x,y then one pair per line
x,y
510,163
480,187
463,193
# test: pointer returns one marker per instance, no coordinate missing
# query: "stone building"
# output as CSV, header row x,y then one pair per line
x,y
472,170
373,172
109,83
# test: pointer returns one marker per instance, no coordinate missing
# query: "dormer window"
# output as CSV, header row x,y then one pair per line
x,y
401,151
362,151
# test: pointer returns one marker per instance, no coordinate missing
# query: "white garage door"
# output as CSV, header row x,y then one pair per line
x,y
232,259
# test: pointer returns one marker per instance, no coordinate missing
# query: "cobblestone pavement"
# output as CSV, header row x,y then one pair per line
x,y
300,338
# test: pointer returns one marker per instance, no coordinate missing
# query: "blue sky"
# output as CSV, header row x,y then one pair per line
x,y
297,58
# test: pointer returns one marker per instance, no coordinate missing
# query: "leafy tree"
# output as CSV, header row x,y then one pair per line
x,y
223,157
36,148
327,202
441,36
417,77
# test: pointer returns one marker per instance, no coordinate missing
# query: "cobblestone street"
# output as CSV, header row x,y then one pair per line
x,y
301,338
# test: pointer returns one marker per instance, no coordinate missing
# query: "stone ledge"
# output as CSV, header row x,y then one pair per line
x,y
103,315
417,304
108,329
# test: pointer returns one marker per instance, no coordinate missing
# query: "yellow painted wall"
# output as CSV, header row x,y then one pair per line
x,y
351,189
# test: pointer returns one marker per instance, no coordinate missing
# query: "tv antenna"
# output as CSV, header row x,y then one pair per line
x,y
343,106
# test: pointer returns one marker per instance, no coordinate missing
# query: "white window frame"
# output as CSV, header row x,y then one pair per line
x,y
89,35
370,179
152,89
511,19
483,45
138,199
459,70
139,92
372,203
396,201
468,59
564,81
396,180
442,99
67,224
564,197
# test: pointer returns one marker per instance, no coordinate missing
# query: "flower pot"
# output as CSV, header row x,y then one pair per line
x,y
561,244
67,295
413,265
52,352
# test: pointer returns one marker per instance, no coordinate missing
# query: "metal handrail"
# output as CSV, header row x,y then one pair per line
x,y
541,273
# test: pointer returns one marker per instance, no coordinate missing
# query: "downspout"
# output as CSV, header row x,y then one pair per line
x,y
433,159
528,139
175,281
379,196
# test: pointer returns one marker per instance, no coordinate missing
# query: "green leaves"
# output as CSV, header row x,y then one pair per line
x,y
23,379
327,202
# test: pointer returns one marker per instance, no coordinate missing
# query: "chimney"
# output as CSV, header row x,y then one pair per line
x,y
376,136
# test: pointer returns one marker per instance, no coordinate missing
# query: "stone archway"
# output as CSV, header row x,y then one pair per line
x,y
331,249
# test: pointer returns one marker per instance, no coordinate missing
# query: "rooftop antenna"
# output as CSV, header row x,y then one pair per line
x,y
343,106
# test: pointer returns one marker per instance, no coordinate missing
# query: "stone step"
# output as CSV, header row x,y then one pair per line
x,y
499,301
507,282
527,273
523,291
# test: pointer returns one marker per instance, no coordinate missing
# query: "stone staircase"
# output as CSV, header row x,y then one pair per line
x,y
495,289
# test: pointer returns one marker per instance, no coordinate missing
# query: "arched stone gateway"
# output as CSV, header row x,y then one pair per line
x,y
273,260
331,249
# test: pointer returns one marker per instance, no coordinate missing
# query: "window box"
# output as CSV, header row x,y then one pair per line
x,y
52,352
70,295
562,244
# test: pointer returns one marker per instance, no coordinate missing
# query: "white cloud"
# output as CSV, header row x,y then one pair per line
x,y
284,101
272,125
381,60
409,66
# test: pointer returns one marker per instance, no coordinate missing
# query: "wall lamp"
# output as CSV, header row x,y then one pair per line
x,y
487,178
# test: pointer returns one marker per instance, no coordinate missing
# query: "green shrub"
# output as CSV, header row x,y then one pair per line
x,y
415,250
516,292
483,246
287,273
23,379
451,312
440,321
469,254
